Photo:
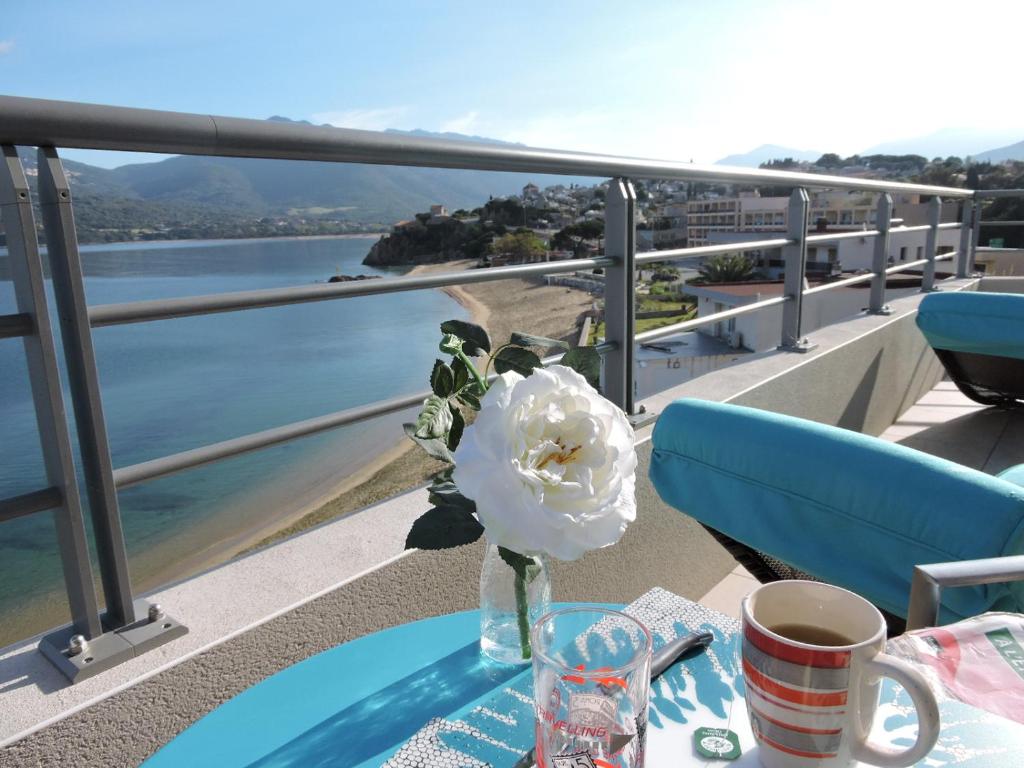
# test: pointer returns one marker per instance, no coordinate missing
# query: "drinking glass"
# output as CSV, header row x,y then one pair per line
x,y
591,681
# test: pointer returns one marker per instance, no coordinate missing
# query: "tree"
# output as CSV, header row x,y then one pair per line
x,y
726,268
522,246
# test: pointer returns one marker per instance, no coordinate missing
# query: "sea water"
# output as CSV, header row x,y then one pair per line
x,y
172,385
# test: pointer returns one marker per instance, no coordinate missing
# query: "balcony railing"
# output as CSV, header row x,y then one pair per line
x,y
129,627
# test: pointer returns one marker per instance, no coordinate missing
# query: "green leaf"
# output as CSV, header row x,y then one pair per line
x,y
460,372
435,419
468,398
442,379
519,563
444,476
450,344
529,340
433,446
443,528
458,424
474,337
517,359
586,361
447,494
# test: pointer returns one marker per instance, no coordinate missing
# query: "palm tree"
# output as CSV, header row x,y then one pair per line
x,y
726,268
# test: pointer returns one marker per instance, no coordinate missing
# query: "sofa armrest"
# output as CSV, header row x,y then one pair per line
x,y
926,586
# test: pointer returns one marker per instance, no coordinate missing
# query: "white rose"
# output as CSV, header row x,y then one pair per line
x,y
550,464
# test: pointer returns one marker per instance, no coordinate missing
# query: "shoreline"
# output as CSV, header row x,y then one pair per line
x,y
246,541
156,244
515,304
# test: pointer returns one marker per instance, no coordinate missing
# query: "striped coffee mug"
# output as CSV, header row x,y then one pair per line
x,y
812,669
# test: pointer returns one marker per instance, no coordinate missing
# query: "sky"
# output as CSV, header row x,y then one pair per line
x,y
671,80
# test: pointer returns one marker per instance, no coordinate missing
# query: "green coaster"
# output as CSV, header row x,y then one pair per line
x,y
716,743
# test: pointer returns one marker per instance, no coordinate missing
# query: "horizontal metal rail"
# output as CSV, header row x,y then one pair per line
x,y
991,193
164,309
30,503
709,250
699,322
41,122
847,281
907,230
950,225
254,441
903,267
19,324
831,237
1001,223
169,465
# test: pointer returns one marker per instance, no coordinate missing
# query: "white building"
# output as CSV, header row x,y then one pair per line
x,y
762,330
750,217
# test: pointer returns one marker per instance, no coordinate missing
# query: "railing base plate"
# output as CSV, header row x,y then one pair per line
x,y
103,652
886,310
801,346
642,419
112,647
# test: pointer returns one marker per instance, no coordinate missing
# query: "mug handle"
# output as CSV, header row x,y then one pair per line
x,y
927,715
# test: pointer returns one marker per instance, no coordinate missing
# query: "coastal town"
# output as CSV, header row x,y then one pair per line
x,y
566,221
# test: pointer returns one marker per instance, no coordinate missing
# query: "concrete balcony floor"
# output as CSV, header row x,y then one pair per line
x,y
945,423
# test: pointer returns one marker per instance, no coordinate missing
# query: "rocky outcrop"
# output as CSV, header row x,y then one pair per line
x,y
351,278
419,242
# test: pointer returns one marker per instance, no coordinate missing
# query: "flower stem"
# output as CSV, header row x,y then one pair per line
x,y
480,380
522,614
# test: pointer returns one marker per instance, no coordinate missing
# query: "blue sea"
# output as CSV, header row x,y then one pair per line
x,y
177,384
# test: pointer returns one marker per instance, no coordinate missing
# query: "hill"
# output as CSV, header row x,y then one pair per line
x,y
186,196
1001,154
946,142
762,154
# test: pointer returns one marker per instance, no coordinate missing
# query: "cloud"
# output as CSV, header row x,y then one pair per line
x,y
374,119
6,46
461,124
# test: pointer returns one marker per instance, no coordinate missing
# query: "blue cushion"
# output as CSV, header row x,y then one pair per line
x,y
972,321
850,509
1013,475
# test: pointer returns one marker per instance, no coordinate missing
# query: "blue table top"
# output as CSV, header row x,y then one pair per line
x,y
352,705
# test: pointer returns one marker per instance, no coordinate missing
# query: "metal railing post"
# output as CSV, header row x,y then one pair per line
x,y
975,232
41,358
620,293
883,222
966,222
795,258
69,290
931,244
135,622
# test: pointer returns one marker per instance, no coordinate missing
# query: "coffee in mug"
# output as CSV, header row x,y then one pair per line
x,y
812,663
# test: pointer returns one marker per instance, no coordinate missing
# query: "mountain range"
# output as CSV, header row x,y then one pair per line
x,y
766,152
352,192
942,143
1011,152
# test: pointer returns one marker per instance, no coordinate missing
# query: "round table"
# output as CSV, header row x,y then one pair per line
x,y
351,705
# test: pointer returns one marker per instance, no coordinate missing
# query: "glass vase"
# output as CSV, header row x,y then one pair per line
x,y
509,606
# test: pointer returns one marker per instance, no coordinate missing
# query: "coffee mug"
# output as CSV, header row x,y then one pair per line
x,y
812,669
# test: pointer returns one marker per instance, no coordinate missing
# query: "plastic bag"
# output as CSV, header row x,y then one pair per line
x,y
979,661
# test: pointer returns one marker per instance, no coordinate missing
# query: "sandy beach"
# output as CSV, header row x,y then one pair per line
x,y
501,307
